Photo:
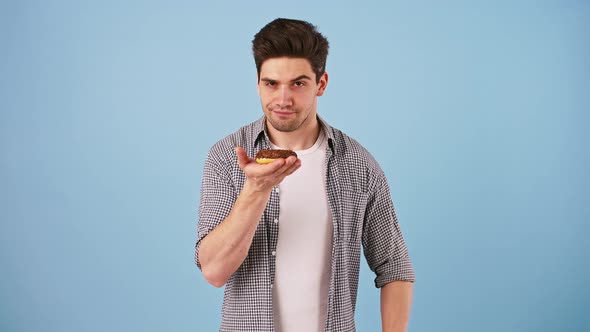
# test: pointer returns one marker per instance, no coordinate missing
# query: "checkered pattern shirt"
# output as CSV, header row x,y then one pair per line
x,y
362,211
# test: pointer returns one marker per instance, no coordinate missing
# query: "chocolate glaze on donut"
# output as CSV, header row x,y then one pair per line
x,y
275,154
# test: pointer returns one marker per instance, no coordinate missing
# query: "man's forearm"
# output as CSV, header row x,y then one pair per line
x,y
224,249
396,301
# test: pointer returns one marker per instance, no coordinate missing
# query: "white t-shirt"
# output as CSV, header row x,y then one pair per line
x,y
304,249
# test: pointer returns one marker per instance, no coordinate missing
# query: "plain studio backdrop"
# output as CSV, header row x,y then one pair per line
x,y
476,110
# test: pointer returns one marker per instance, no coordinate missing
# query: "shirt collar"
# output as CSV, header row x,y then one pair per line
x,y
261,139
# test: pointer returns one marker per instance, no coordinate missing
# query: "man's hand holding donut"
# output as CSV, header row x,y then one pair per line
x,y
263,178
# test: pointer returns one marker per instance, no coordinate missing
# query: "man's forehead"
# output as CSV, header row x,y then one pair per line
x,y
286,68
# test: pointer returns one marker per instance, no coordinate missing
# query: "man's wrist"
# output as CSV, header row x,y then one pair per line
x,y
252,190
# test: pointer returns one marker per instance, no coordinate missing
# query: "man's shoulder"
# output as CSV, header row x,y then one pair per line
x,y
358,168
348,148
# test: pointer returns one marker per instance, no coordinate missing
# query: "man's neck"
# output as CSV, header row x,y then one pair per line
x,y
302,138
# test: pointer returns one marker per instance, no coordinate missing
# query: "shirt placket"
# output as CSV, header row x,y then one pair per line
x,y
272,223
273,233
332,192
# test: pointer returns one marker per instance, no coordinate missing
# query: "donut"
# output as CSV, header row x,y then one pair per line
x,y
268,156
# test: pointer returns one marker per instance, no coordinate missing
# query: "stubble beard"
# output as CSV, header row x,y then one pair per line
x,y
289,125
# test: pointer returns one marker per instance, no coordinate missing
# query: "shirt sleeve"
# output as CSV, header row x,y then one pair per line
x,y
383,243
218,195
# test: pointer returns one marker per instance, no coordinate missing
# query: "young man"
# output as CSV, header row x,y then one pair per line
x,y
285,238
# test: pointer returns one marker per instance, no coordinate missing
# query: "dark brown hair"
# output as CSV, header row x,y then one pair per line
x,y
291,38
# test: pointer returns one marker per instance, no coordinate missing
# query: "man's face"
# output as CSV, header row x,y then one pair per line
x,y
288,92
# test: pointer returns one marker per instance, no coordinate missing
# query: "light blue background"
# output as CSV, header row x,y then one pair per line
x,y
476,110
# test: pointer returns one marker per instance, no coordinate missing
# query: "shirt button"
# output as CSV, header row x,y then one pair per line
x,y
274,253
276,221
277,190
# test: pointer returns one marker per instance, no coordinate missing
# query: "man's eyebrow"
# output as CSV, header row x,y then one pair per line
x,y
298,78
301,77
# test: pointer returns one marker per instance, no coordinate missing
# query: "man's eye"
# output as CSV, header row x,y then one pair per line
x,y
269,83
299,83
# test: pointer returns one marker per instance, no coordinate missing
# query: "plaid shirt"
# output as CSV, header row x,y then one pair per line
x,y
362,211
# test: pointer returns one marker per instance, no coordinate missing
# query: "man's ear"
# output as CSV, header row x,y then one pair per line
x,y
323,83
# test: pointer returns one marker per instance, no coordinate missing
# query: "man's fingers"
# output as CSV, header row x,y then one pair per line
x,y
252,169
278,168
291,169
291,164
272,167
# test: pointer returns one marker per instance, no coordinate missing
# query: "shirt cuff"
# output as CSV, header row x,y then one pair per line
x,y
400,270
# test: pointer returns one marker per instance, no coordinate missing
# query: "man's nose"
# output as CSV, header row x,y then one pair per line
x,y
284,96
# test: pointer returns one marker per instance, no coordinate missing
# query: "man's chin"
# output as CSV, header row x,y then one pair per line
x,y
284,126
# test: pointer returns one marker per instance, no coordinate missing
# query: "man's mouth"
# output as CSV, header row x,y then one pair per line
x,y
282,112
